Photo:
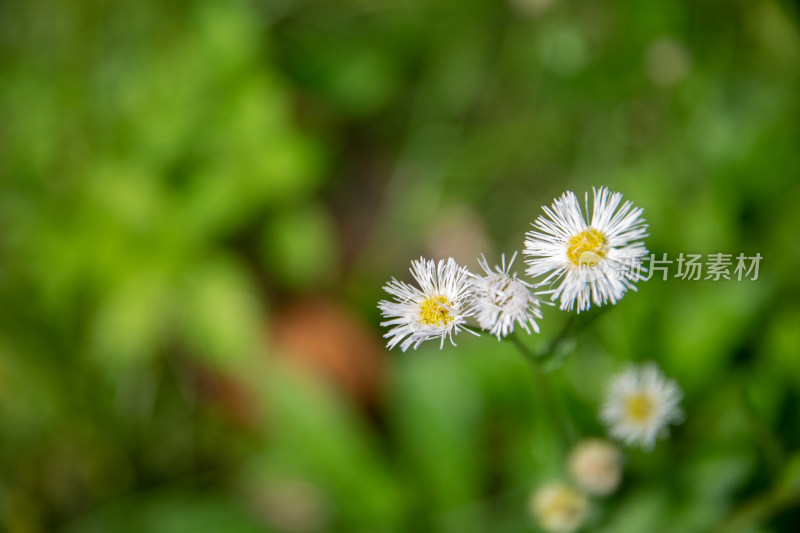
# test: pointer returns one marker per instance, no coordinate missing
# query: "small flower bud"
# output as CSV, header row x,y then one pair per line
x,y
595,466
558,508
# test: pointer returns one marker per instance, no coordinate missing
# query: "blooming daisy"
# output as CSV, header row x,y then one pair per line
x,y
641,402
437,309
501,300
559,508
589,262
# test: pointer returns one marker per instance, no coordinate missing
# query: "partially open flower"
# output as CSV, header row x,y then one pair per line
x,y
501,300
595,465
558,508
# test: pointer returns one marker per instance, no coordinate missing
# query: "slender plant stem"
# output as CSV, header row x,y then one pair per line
x,y
766,438
552,405
549,400
562,336
760,509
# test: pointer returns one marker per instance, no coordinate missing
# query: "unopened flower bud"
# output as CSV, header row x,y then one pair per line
x,y
558,508
594,465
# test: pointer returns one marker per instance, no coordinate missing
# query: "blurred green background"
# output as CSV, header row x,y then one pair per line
x,y
201,201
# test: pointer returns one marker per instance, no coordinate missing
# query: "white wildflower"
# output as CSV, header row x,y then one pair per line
x,y
437,309
640,404
595,261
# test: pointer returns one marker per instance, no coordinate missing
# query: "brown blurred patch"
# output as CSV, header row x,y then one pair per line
x,y
323,337
227,394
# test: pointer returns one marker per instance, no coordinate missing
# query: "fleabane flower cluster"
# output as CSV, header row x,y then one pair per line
x,y
447,294
575,260
595,469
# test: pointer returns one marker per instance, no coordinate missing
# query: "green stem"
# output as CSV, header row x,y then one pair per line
x,y
562,336
760,509
552,406
766,438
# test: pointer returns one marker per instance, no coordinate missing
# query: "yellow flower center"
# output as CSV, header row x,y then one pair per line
x,y
432,311
565,504
561,509
589,240
639,407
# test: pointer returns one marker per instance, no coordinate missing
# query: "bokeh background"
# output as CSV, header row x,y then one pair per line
x,y
200,202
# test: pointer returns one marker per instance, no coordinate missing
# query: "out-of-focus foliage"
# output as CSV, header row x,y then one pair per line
x,y
199,203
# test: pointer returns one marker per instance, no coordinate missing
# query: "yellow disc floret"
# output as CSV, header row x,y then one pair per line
x,y
566,506
589,240
433,311
639,407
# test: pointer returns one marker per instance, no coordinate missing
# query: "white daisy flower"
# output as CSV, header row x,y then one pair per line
x,y
437,309
559,508
596,466
640,404
501,300
589,262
